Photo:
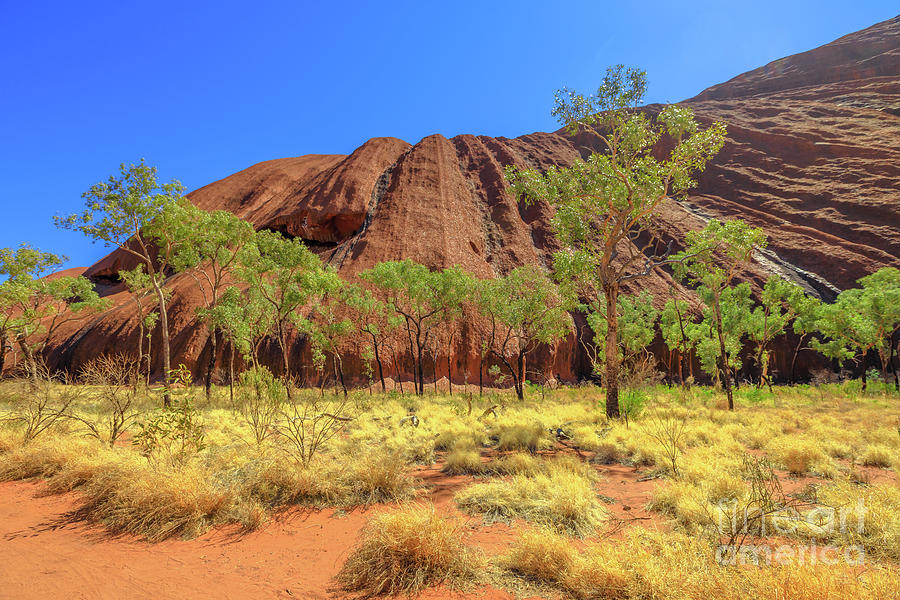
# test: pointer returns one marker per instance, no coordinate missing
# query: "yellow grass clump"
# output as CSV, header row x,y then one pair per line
x,y
671,566
406,550
557,498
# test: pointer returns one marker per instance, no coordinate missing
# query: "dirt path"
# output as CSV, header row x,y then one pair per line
x,y
44,554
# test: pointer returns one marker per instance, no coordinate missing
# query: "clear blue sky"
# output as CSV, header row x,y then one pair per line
x,y
205,89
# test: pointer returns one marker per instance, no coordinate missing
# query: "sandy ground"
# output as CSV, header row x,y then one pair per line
x,y
48,552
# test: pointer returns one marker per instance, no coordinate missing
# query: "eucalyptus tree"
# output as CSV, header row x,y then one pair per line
x,y
525,309
863,319
636,321
245,320
720,336
805,309
281,276
678,329
712,259
36,303
373,319
141,216
779,302
424,298
210,254
137,282
326,323
882,306
604,203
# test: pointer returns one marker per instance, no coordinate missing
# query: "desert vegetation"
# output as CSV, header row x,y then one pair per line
x,y
649,481
796,468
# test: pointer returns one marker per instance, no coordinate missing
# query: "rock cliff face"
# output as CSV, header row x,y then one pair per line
x,y
812,157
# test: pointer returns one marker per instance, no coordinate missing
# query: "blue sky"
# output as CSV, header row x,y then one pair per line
x,y
205,89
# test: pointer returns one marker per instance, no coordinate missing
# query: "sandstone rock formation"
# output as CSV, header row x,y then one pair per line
x,y
813,157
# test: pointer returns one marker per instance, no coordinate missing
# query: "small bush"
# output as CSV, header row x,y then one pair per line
x,y
798,455
519,436
541,555
517,463
463,459
378,477
557,498
878,455
407,550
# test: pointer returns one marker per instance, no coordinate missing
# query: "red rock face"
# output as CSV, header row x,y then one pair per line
x,y
812,157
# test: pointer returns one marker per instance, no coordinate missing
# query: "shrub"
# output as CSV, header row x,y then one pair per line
x,y
541,555
377,477
39,402
115,385
463,459
174,432
878,455
519,436
798,455
407,550
556,498
260,396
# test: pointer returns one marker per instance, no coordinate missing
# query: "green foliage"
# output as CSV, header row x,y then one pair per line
x,y
604,202
715,254
325,326
175,431
632,402
525,310
734,307
34,305
712,258
422,297
260,398
781,303
862,319
636,321
120,208
282,276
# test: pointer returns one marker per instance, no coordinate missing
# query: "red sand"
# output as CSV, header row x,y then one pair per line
x,y
45,553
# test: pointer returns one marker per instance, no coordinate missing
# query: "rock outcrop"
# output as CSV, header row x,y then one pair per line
x,y
812,157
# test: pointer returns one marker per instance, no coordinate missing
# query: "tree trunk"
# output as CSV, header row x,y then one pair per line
x,y
30,364
481,374
723,359
147,356
140,352
681,369
420,368
794,359
397,369
890,361
340,370
211,363
449,365
611,292
166,350
231,374
412,357
520,383
378,362
4,342
286,363
865,381
434,370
